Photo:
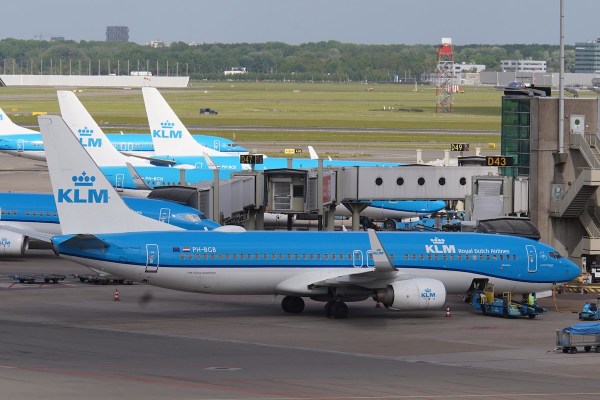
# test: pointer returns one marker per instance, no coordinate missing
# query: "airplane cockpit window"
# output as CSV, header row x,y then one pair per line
x,y
190,217
554,254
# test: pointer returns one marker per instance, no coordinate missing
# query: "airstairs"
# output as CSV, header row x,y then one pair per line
x,y
579,200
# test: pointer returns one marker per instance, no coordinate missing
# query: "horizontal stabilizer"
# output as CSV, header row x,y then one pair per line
x,y
153,160
42,236
85,242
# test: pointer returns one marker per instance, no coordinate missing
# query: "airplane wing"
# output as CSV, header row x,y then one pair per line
x,y
32,233
373,277
162,161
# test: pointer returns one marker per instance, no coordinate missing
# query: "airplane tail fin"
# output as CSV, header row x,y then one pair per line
x,y
7,127
85,199
90,135
169,135
313,153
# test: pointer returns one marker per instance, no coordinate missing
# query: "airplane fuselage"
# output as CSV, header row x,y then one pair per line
x,y
274,263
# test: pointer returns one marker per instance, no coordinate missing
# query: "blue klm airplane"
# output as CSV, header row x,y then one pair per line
x,y
27,143
403,271
38,211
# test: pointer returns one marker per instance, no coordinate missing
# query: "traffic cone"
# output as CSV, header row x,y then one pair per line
x,y
116,295
448,313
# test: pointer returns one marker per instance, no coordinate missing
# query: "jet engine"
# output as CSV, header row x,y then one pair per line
x,y
412,294
13,244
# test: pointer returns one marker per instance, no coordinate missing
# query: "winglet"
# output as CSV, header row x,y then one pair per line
x,y
209,162
313,153
138,180
85,199
380,257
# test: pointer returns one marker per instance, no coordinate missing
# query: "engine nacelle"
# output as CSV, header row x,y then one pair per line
x,y
13,244
413,294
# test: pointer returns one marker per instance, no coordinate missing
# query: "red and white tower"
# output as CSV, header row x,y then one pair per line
x,y
445,85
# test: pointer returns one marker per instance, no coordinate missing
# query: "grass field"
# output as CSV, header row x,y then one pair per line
x,y
398,114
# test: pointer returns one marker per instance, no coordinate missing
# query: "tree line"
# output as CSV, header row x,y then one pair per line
x,y
321,61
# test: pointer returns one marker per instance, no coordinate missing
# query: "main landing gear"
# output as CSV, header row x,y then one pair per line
x,y
336,309
333,309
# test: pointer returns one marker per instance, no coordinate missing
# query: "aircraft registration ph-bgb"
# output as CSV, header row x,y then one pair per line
x,y
404,271
38,211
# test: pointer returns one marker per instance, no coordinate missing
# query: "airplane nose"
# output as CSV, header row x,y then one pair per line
x,y
572,270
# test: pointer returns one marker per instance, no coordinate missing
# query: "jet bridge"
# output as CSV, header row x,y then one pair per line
x,y
246,197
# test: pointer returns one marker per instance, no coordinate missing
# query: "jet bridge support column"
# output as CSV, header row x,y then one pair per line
x,y
216,212
330,215
355,207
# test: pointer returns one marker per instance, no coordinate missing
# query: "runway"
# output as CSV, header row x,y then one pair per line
x,y
72,341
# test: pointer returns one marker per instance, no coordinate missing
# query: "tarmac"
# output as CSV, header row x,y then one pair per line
x,y
72,340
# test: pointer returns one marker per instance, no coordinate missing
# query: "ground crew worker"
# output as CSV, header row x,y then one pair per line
x,y
531,300
580,281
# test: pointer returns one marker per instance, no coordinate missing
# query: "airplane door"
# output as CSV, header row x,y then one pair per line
x,y
370,260
532,261
357,259
152,258
20,145
119,182
217,145
165,215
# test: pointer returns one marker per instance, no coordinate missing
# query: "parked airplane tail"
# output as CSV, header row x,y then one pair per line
x,y
7,127
80,188
169,135
90,135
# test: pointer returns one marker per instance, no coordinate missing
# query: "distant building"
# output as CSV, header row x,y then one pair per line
x,y
117,34
236,71
57,39
527,65
156,43
587,57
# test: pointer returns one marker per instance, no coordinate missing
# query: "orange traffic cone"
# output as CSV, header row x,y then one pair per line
x,y
116,295
448,313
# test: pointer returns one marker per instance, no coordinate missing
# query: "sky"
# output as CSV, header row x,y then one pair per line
x,y
302,21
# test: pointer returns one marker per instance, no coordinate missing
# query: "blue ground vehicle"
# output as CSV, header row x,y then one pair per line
x,y
485,303
589,312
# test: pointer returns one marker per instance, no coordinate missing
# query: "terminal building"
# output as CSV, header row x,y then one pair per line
x,y
563,175
587,57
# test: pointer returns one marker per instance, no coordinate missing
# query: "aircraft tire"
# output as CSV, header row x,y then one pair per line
x,y
389,225
327,308
338,310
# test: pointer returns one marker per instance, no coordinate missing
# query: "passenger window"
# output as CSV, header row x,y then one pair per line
x,y
205,256
190,256
212,256
325,256
422,256
333,256
406,257
414,256
220,256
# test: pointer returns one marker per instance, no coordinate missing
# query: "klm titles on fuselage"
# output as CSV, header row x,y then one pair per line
x,y
439,246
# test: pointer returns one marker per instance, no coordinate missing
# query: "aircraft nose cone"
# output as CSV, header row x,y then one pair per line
x,y
572,270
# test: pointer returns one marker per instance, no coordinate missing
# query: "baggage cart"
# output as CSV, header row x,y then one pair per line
x,y
586,336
